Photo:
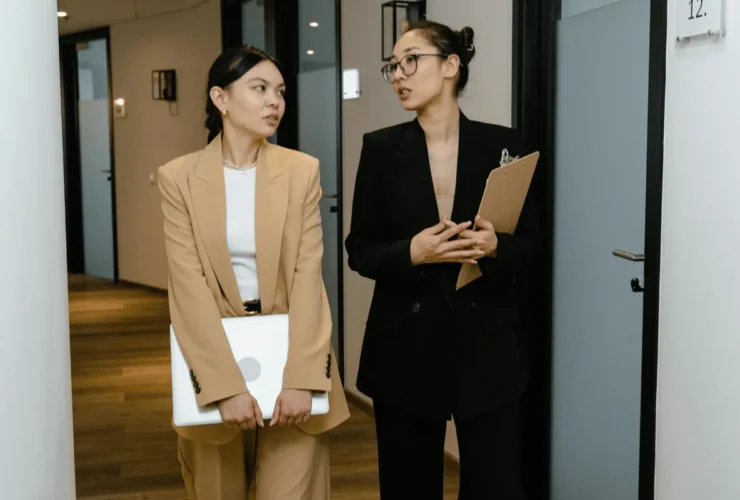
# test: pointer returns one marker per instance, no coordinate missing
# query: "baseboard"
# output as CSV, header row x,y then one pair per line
x,y
148,288
359,402
451,462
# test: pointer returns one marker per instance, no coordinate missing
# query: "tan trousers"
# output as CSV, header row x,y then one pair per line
x,y
278,463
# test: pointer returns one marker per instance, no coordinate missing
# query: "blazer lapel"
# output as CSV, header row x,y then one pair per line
x,y
208,190
415,177
470,182
271,206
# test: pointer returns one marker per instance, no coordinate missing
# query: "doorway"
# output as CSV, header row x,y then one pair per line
x,y
89,174
592,101
305,37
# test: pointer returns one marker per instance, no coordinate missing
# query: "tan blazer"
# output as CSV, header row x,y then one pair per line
x,y
203,287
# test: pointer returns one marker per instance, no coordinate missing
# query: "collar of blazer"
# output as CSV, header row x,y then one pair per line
x,y
208,192
472,157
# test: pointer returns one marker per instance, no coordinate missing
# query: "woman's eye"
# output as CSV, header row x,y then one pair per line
x,y
409,59
260,88
281,93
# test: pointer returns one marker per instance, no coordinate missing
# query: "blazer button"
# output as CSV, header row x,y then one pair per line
x,y
473,305
416,307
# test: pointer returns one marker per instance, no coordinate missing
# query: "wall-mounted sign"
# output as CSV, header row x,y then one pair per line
x,y
351,83
699,18
164,85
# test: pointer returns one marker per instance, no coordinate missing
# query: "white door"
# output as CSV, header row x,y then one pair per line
x,y
600,181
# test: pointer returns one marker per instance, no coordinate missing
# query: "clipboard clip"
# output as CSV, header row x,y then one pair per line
x,y
506,158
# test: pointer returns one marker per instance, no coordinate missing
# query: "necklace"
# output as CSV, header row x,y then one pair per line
x,y
242,168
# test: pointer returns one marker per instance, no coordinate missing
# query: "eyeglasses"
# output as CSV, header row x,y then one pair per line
x,y
408,65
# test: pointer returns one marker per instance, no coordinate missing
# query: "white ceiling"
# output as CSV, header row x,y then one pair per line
x,y
87,14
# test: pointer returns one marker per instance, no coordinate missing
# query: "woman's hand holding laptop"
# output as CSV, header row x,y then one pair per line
x,y
241,412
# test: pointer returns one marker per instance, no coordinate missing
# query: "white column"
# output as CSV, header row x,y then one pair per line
x,y
36,445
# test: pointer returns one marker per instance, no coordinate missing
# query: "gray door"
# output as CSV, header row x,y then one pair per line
x,y
318,128
318,112
94,136
601,142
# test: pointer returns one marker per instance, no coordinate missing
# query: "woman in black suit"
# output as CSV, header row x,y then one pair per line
x,y
430,352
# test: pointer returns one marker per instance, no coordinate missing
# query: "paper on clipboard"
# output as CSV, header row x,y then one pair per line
x,y
502,202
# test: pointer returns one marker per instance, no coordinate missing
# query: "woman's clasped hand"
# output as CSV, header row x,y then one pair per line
x,y
448,241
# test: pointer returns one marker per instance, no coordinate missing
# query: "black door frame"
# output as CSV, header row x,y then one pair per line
x,y
533,113
281,40
71,141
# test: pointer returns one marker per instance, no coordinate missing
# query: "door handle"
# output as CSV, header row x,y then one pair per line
x,y
330,196
634,257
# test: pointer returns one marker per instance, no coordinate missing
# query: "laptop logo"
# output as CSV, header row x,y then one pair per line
x,y
250,368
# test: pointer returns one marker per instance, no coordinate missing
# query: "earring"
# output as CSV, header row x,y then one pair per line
x,y
224,113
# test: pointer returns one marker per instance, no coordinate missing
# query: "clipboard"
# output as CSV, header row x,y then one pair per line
x,y
503,199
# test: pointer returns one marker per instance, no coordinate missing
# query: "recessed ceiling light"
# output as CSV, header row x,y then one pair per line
x,y
61,13
313,24
310,52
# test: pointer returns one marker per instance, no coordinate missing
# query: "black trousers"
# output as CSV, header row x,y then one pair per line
x,y
411,455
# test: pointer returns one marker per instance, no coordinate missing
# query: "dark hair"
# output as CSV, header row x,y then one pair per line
x,y
450,42
225,70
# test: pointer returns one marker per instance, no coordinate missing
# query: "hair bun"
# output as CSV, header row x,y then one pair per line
x,y
467,37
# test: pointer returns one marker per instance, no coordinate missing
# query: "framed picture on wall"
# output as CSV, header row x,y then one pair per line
x,y
396,15
155,84
164,85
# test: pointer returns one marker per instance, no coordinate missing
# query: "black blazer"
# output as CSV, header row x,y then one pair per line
x,y
433,350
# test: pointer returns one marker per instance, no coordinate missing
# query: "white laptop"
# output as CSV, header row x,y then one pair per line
x,y
260,346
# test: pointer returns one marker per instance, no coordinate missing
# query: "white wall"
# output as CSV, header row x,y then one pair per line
x,y
187,41
488,98
36,454
698,429
488,94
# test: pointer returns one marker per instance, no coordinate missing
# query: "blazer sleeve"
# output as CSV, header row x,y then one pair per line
x,y
371,253
308,366
193,311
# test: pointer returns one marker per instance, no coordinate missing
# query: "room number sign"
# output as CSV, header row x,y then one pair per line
x,y
699,17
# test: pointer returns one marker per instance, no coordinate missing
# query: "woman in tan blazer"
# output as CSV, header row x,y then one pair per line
x,y
243,236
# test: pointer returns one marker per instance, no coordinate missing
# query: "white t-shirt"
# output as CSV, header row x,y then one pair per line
x,y
240,196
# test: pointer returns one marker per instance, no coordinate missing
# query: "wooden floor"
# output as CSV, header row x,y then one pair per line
x,y
125,448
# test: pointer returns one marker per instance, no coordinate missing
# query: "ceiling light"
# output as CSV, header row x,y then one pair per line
x,y
313,24
61,13
310,52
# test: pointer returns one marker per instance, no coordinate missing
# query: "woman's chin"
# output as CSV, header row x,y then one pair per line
x,y
410,105
262,132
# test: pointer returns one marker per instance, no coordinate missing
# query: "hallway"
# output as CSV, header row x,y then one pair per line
x,y
125,448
